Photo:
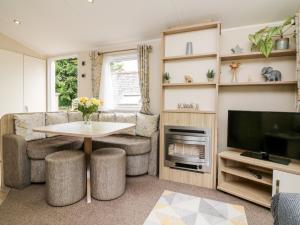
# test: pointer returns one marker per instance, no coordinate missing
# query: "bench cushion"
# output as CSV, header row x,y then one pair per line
x,y
39,149
133,145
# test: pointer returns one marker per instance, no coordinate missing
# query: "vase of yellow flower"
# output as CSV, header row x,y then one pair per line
x,y
87,106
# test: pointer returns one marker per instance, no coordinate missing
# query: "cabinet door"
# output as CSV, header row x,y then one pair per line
x,y
11,82
34,84
285,182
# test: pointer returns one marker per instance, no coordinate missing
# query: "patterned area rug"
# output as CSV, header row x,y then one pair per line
x,y
178,209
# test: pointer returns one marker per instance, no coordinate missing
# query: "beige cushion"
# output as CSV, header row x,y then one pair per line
x,y
25,122
146,125
126,118
75,116
56,118
107,117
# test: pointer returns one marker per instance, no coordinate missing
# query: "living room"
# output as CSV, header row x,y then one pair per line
x,y
154,113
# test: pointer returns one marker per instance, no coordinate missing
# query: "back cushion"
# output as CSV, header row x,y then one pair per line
x,y
56,118
146,125
75,116
107,117
24,123
126,118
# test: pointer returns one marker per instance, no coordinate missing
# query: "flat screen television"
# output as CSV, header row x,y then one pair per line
x,y
265,134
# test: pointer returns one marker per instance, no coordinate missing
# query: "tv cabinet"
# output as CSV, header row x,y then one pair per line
x,y
250,178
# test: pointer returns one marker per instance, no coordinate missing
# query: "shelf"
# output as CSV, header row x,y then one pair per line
x,y
257,55
235,155
188,111
264,83
249,191
189,84
190,57
245,173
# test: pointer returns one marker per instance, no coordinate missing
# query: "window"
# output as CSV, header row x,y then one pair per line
x,y
120,88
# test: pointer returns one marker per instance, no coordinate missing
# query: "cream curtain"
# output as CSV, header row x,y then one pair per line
x,y
143,64
96,64
298,56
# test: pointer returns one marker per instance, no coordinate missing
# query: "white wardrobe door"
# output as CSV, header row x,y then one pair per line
x,y
11,82
34,84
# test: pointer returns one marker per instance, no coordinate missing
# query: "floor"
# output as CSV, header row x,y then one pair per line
x,y
28,207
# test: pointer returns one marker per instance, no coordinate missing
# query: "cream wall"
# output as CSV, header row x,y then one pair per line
x,y
10,44
260,98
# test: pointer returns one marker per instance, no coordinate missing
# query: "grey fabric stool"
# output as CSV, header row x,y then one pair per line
x,y
108,173
65,177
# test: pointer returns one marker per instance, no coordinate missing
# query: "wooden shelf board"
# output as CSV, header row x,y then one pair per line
x,y
188,111
190,57
245,173
189,84
265,83
235,155
256,55
249,191
196,27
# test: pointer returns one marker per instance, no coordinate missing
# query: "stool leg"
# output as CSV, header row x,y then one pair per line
x,y
88,151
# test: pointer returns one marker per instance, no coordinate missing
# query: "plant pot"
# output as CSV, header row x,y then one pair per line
x,y
166,81
282,43
210,79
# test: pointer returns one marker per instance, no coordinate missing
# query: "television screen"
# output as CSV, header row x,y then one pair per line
x,y
277,133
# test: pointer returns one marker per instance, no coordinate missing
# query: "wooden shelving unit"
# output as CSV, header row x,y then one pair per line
x,y
189,84
270,83
190,57
236,175
257,55
206,116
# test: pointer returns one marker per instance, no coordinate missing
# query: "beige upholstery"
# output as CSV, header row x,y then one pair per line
x,y
133,145
65,177
108,173
75,116
126,118
55,118
39,149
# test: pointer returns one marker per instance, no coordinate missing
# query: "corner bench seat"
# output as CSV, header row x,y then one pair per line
x,y
133,145
39,149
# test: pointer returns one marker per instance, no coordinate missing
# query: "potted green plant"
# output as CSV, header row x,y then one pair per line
x,y
210,75
263,39
166,77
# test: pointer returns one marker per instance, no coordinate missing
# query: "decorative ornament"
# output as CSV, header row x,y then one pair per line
x,y
188,79
237,50
234,66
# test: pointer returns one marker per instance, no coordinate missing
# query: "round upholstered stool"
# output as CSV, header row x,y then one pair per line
x,y
65,177
108,173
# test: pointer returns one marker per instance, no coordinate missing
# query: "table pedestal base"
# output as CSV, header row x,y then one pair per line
x,y
88,152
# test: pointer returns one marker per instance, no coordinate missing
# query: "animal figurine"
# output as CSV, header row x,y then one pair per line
x,y
188,78
234,66
271,75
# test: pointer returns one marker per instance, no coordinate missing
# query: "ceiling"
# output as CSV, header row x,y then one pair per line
x,y
55,27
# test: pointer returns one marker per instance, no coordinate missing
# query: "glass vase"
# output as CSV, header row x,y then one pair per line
x,y
87,118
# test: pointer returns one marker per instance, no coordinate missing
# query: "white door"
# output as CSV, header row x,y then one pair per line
x,y
285,182
11,82
34,84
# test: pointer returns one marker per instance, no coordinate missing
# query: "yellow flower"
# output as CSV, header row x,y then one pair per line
x,y
83,100
95,101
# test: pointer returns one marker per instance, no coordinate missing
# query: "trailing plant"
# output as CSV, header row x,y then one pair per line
x,y
263,39
210,73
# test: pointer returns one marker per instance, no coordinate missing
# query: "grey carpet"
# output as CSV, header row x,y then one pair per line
x,y
28,207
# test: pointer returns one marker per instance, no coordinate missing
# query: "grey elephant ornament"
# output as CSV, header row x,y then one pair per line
x,y
271,75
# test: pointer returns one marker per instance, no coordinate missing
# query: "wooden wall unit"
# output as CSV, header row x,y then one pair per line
x,y
202,120
205,38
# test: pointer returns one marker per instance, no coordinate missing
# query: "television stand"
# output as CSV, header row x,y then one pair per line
x,y
267,157
254,179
